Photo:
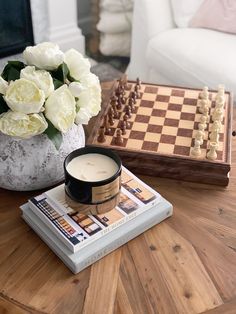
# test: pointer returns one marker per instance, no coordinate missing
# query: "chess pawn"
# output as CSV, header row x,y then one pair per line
x,y
200,136
119,103
101,136
138,83
118,138
126,121
214,136
136,89
110,116
131,104
205,112
106,125
212,155
196,150
128,111
217,115
216,126
123,127
221,91
133,95
205,93
203,123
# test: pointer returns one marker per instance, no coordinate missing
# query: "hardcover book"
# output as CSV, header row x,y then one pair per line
x,y
78,239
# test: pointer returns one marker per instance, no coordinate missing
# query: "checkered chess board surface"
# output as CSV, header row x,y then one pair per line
x,y
165,121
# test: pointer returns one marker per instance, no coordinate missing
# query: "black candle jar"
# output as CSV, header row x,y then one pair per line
x,y
93,192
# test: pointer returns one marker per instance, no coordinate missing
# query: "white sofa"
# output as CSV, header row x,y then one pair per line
x,y
162,53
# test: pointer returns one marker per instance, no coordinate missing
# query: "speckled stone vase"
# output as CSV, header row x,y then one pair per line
x,y
35,163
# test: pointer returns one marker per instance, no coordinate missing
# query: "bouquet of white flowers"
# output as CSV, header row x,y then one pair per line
x,y
48,94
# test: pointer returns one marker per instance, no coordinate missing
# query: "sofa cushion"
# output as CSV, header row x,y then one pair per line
x,y
194,57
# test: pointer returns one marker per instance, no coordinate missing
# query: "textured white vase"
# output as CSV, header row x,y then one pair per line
x,y
35,163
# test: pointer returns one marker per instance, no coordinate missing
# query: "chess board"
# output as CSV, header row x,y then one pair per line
x,y
162,131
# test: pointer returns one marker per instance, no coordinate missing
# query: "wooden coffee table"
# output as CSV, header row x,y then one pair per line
x,y
186,264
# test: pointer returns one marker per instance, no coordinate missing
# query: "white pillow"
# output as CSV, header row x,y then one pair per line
x,y
112,23
117,5
115,44
184,10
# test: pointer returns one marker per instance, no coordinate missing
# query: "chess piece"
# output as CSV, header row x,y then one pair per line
x,y
126,121
119,103
101,136
200,136
212,155
123,127
106,125
138,83
136,89
196,150
205,112
221,92
217,115
216,126
131,104
202,104
128,111
118,138
115,112
214,136
205,93
110,116
133,95
220,102
203,122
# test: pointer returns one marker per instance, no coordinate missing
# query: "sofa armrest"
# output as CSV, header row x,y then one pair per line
x,y
150,17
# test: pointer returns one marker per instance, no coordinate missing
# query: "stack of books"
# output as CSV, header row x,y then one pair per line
x,y
80,240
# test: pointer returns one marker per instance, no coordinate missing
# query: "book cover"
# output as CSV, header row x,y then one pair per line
x,y
110,241
77,230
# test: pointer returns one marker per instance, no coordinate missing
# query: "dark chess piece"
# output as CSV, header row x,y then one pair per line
x,y
123,127
131,104
106,125
128,111
118,138
114,107
119,103
133,95
110,116
125,118
138,83
101,136
136,89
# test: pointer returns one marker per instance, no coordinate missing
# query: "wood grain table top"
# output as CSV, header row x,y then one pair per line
x,y
186,264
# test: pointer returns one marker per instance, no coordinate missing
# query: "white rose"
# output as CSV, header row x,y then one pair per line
x,y
3,86
77,64
90,97
82,116
76,88
60,108
24,96
46,56
22,125
41,78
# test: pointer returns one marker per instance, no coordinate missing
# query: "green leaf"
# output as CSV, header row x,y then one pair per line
x,y
11,72
3,105
61,73
54,135
57,83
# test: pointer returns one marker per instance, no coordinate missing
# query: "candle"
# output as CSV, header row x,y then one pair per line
x,y
92,175
92,167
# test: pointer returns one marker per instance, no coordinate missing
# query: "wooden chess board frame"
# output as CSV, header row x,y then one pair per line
x,y
171,166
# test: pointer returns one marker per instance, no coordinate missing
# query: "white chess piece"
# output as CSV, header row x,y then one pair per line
x,y
205,93
217,115
203,122
221,92
212,151
206,113
199,136
220,102
214,136
216,126
196,150
202,104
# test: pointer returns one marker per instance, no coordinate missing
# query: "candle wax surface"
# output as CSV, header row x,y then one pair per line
x,y
92,167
